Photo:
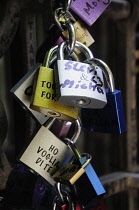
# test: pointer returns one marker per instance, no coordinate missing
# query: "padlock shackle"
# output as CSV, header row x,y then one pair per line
x,y
49,59
73,147
51,56
75,137
77,130
106,70
76,152
82,47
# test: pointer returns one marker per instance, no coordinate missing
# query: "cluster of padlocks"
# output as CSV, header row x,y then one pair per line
x,y
70,87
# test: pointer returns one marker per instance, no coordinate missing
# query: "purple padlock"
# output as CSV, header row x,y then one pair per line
x,y
89,10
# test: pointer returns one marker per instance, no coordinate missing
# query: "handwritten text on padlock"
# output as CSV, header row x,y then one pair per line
x,y
89,10
82,76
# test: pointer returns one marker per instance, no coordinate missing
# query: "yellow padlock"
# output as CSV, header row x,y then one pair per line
x,y
44,97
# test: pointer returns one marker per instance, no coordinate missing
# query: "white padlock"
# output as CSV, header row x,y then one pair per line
x,y
79,84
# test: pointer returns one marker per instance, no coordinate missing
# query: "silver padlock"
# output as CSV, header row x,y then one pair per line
x,y
46,152
79,84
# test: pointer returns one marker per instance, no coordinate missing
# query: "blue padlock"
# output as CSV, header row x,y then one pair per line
x,y
109,119
81,178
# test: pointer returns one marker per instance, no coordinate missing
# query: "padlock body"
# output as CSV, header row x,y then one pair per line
x,y
45,154
84,182
68,174
110,119
89,10
45,99
88,188
80,84
23,92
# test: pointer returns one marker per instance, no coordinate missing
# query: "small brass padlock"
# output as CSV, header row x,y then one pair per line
x,y
45,98
77,83
81,178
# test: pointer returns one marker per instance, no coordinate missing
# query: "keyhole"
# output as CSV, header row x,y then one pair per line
x,y
54,114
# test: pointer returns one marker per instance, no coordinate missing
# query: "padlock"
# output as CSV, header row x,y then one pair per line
x,y
22,91
111,118
46,153
81,178
44,193
88,10
78,83
45,99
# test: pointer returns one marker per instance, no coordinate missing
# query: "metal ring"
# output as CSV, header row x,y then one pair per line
x,y
64,197
66,18
72,36
106,70
61,16
59,191
82,47
67,5
55,203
